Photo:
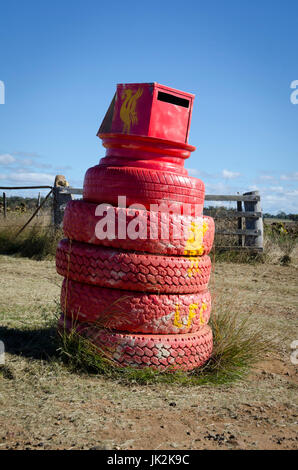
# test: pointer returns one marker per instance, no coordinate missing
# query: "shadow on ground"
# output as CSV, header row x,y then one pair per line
x,y
39,343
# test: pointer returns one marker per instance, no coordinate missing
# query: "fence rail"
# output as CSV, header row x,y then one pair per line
x,y
249,217
243,197
248,214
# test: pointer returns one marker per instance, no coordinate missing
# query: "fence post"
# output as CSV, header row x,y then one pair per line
x,y
38,204
240,223
254,223
60,199
4,205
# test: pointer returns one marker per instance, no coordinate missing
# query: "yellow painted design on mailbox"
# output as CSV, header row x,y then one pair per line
x,y
128,112
191,315
194,245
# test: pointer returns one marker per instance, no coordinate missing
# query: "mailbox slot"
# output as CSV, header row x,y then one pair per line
x,y
167,98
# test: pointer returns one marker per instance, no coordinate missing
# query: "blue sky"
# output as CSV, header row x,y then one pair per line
x,y
60,62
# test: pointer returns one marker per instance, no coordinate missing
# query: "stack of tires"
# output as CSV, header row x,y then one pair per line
x,y
135,257
141,292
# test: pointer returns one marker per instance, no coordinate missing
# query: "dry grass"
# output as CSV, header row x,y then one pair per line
x,y
237,346
280,246
46,404
38,240
281,243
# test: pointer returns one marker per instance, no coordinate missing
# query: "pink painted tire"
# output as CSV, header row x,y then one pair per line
x,y
107,267
194,237
143,186
134,311
162,352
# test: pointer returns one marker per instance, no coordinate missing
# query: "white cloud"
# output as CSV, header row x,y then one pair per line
x,y
275,202
6,158
193,171
290,176
253,187
26,154
278,189
292,193
28,177
266,177
216,188
27,162
230,174
42,165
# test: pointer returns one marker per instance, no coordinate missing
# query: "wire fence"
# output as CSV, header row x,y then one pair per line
x,y
238,227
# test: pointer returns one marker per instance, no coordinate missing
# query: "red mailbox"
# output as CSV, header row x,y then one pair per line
x,y
151,110
147,124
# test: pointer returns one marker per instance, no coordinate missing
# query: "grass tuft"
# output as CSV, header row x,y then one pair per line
x,y
219,255
281,241
37,242
6,372
238,346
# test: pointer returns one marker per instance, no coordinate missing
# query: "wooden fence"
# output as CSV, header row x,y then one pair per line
x,y
249,216
249,231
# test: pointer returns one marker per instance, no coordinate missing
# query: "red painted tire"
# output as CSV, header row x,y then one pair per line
x,y
149,164
106,267
134,311
142,186
171,352
81,224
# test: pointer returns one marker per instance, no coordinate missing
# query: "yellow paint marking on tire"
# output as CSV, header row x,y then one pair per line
x,y
177,321
195,245
191,315
202,309
194,267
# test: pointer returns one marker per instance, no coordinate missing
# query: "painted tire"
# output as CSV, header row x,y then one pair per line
x,y
150,164
81,224
171,352
143,186
134,311
107,267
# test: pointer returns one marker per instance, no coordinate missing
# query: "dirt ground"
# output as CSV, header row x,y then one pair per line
x,y
45,406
